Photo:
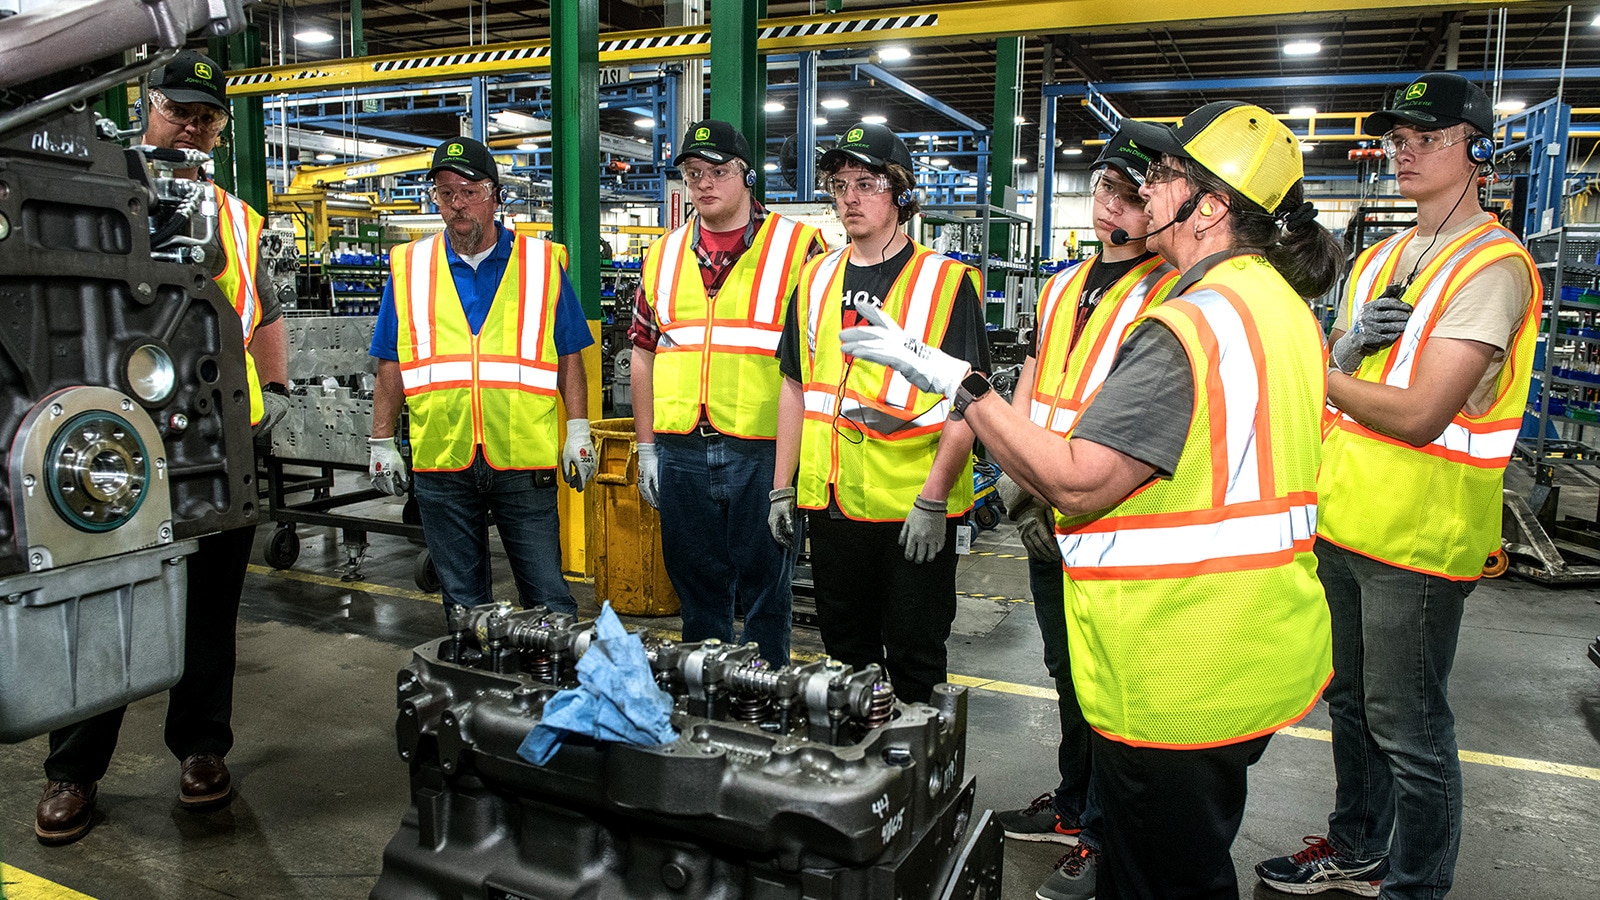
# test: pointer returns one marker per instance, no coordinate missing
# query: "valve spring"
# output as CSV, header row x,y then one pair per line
x,y
542,667
530,635
881,705
756,677
751,707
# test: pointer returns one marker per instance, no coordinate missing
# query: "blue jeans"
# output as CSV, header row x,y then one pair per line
x,y
715,544
455,509
1076,800
1394,737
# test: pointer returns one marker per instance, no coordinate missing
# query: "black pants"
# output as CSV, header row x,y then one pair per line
x,y
200,705
875,607
1170,818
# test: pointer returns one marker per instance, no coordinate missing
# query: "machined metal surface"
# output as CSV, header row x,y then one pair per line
x,y
49,37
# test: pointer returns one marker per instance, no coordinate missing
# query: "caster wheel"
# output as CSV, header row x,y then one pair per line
x,y
424,574
986,516
283,548
1497,564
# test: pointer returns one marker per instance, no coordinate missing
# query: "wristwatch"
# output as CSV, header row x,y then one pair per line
x,y
972,387
276,387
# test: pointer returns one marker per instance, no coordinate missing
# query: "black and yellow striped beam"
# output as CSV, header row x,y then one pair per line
x,y
916,24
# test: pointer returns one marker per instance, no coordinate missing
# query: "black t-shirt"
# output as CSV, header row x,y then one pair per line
x,y
966,338
1102,275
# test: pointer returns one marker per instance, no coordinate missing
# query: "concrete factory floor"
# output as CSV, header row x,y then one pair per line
x,y
321,788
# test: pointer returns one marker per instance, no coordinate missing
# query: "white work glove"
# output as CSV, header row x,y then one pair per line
x,y
273,408
1378,324
649,475
578,462
386,469
780,518
923,533
886,343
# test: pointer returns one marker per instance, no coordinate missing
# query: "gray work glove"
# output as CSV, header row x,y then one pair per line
x,y
1378,324
1037,529
273,408
923,533
1014,497
780,518
578,461
649,475
386,469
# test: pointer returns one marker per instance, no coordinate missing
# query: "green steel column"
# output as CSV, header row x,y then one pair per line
x,y
358,34
241,160
575,84
738,77
1003,143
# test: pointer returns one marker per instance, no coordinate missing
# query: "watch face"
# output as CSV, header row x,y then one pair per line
x,y
976,385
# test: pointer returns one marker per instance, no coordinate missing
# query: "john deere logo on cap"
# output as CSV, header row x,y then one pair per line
x,y
702,134
1416,90
201,70
854,135
455,150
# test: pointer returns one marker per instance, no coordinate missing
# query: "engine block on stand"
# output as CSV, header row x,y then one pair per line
x,y
803,783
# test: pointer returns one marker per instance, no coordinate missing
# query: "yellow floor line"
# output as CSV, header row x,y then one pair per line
x,y
1588,773
15,884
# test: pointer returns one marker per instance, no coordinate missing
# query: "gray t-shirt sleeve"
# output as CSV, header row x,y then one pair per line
x,y
1145,406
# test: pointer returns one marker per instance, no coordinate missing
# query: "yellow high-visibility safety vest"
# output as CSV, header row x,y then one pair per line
x,y
239,228
1432,509
1070,368
1195,617
496,389
720,355
867,431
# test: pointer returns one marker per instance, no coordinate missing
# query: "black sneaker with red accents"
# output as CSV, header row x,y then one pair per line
x,y
1321,867
1039,822
1074,876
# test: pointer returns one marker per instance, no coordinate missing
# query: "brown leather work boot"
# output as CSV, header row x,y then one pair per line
x,y
66,812
204,783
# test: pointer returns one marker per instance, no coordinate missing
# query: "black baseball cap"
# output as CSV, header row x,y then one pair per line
x,y
467,158
1128,150
1434,101
714,141
192,78
1244,145
873,145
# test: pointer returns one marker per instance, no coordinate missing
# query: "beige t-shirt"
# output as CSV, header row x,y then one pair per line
x,y
1488,308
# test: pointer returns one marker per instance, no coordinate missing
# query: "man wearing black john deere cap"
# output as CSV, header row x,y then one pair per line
x,y
1081,316
1431,357
187,110
478,333
883,479
706,321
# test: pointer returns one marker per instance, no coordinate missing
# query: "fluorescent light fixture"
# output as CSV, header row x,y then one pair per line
x,y
1510,106
1073,151
1019,161
527,145
1302,48
927,137
1596,22
771,167
618,209
645,122
898,54
774,106
520,123
1305,112
326,157
941,162
1021,120
1307,146
874,120
313,36
820,120
835,103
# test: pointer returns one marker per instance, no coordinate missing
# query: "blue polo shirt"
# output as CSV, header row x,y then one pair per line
x,y
477,288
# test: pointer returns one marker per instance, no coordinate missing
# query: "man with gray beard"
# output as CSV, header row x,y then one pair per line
x,y
477,334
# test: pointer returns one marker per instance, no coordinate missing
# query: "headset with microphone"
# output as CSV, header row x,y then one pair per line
x,y
1121,236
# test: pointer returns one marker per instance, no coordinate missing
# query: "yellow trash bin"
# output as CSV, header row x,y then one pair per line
x,y
624,531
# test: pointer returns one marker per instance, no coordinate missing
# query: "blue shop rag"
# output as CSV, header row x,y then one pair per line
x,y
616,698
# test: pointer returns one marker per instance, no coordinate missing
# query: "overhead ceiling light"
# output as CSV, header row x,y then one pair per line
x,y
939,161
520,122
1596,22
927,137
1073,151
774,106
645,122
874,120
1020,161
771,167
1302,48
618,209
835,103
1307,146
326,157
898,54
820,120
1510,106
1302,111
313,36
527,145
1021,120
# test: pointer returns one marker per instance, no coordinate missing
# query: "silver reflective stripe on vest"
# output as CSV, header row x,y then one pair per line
x,y
825,403
239,228
1241,390
1405,350
819,293
774,268
421,278
1190,544
921,298
537,259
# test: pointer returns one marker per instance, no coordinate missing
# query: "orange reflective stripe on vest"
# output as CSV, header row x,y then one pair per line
x,y
239,230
